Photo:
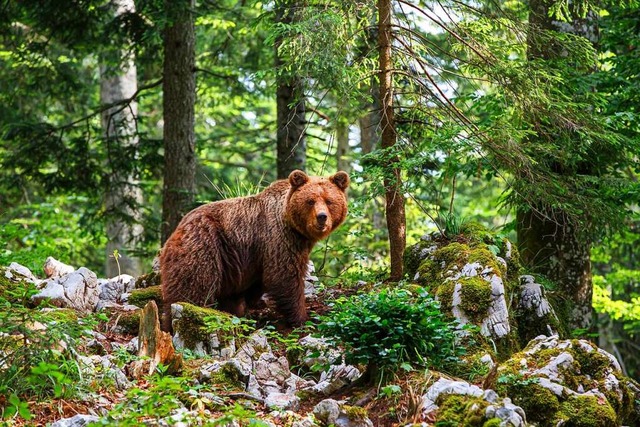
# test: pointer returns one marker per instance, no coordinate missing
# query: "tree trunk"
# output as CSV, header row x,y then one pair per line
x,y
123,199
342,140
370,122
290,140
554,248
370,130
393,179
179,95
548,242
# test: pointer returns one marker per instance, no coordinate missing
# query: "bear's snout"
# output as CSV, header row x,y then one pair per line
x,y
322,218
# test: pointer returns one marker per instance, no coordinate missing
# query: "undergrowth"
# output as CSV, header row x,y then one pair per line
x,y
391,329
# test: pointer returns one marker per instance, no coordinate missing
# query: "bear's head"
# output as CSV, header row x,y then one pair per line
x,y
316,205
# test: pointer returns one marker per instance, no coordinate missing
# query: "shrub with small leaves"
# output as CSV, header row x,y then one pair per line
x,y
391,329
37,350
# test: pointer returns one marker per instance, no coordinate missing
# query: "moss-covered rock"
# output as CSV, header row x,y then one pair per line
x,y
457,403
205,330
533,312
487,259
458,410
475,297
586,411
552,377
468,279
444,294
477,233
140,297
148,280
536,401
124,321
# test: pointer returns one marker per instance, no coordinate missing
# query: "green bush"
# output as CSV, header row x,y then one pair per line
x,y
36,359
391,329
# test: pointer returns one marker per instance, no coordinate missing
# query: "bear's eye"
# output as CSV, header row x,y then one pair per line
x,y
311,202
328,202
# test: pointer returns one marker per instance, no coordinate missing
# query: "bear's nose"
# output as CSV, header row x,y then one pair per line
x,y
322,218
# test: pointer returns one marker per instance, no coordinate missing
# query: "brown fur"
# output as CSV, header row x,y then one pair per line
x,y
232,251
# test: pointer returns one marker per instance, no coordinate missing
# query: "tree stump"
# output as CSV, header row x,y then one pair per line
x,y
155,346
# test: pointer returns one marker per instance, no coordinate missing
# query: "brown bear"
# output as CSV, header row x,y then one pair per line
x,y
230,252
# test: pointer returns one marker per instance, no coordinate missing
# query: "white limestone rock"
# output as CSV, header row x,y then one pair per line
x,y
77,290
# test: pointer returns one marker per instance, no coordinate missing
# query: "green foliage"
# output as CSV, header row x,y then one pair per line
x,y
32,232
154,403
451,224
15,407
626,311
229,325
35,345
164,397
389,329
516,380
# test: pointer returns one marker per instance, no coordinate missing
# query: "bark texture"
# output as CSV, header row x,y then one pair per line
x,y
556,249
291,142
548,242
393,181
123,199
154,345
342,140
179,95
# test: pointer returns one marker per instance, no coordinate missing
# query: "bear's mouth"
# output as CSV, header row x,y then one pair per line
x,y
322,227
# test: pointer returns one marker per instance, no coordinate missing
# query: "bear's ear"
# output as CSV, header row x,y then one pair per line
x,y
341,179
297,179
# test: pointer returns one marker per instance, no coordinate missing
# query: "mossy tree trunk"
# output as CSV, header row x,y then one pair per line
x,y
551,246
291,122
179,96
549,242
396,223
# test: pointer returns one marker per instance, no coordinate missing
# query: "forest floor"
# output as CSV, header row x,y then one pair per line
x,y
382,411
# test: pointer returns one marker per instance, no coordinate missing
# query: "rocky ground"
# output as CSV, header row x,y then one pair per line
x,y
78,350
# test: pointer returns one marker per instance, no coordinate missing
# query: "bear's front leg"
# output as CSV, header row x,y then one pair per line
x,y
284,282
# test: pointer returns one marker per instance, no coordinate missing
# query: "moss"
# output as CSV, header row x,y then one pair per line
x,y
475,297
355,413
61,315
130,322
537,402
140,297
486,258
592,363
544,356
476,232
453,254
514,262
444,294
585,411
228,378
458,410
148,280
493,422
192,326
430,272
412,257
